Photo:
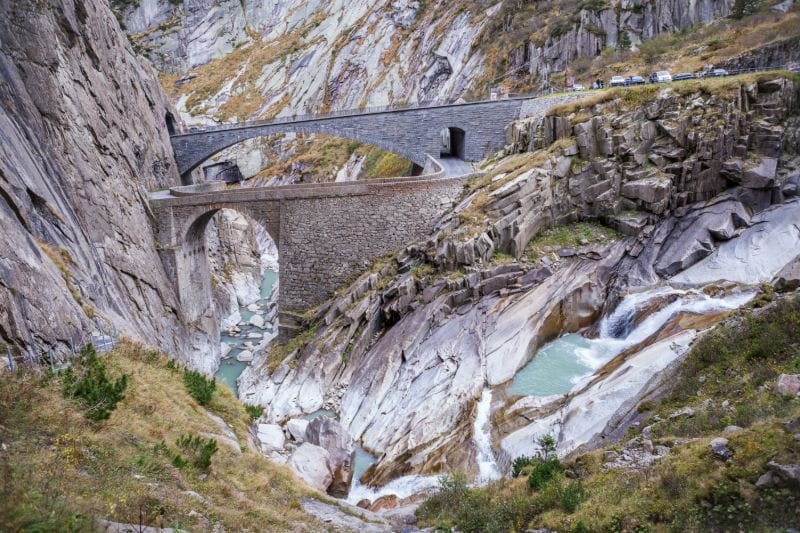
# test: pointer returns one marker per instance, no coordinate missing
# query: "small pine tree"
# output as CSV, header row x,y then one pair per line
x,y
624,41
742,8
199,387
87,383
199,449
253,411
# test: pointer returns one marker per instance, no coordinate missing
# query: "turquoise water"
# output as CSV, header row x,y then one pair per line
x,y
560,365
362,461
230,369
553,369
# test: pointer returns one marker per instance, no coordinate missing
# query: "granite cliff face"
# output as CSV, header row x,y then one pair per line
x,y
83,139
598,26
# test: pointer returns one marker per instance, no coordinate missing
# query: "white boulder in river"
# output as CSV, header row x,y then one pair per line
x,y
311,463
297,429
271,437
329,434
257,321
245,356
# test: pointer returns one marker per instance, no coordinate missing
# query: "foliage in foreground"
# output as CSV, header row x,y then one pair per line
x,y
199,387
505,506
727,378
87,382
60,471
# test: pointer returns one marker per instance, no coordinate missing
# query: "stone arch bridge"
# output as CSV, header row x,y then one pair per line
x,y
328,233
477,130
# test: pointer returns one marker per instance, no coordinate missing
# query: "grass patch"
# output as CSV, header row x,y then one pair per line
x,y
61,471
569,236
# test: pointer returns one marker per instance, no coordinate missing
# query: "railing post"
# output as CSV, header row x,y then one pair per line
x,y
10,359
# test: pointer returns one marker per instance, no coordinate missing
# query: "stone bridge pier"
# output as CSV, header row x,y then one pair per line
x,y
326,234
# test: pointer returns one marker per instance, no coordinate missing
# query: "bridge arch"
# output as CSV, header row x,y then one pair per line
x,y
418,159
412,133
195,258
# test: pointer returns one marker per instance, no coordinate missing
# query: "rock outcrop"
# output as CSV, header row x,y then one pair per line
x,y
617,24
405,351
83,139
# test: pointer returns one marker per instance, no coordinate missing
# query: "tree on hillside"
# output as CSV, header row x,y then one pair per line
x,y
742,8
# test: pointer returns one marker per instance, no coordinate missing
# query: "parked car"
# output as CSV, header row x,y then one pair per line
x,y
634,80
616,81
793,67
715,73
663,76
683,76
577,87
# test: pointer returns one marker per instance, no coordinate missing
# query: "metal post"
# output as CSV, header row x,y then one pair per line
x,y
10,359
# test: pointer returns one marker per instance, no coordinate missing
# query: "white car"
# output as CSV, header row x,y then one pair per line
x,y
577,87
663,76
617,81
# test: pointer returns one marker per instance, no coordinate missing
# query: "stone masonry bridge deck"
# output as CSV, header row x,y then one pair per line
x,y
328,233
477,130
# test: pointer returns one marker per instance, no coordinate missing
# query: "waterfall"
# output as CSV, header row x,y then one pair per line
x,y
487,465
567,362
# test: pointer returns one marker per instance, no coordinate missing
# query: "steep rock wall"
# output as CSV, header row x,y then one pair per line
x,y
593,30
82,140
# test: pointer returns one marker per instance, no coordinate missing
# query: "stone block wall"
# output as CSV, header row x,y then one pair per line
x,y
327,241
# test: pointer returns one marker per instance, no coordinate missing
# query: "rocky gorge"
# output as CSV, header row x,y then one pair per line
x,y
558,296
691,181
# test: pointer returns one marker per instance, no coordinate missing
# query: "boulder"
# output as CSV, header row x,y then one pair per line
x,y
312,464
686,412
271,437
731,429
330,435
245,356
787,475
224,350
257,321
788,279
719,448
297,429
648,190
384,502
761,175
788,384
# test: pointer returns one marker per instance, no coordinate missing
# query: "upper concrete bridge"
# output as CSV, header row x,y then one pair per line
x,y
475,129
328,233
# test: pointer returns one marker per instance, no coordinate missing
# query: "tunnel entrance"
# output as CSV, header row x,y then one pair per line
x,y
170,120
453,143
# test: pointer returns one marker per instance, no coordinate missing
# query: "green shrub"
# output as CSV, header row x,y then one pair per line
x,y
198,449
199,387
254,411
519,463
542,472
87,383
572,496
